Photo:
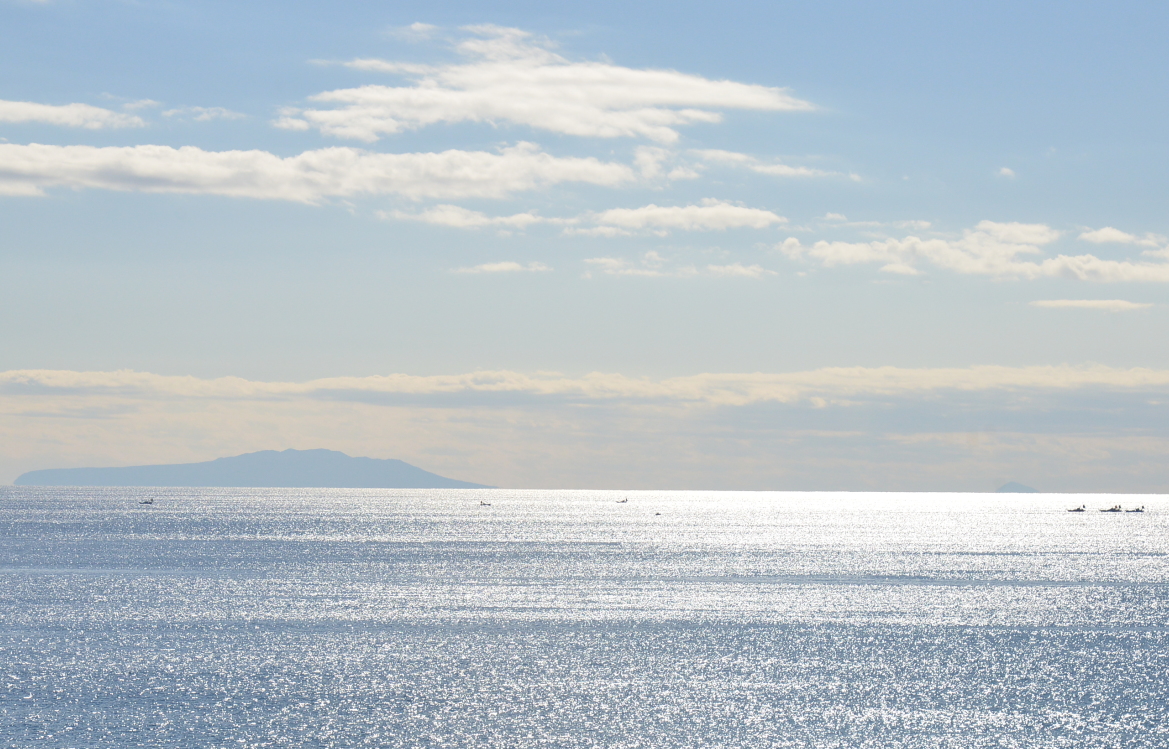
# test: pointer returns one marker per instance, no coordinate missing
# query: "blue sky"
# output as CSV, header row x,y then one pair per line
x,y
593,246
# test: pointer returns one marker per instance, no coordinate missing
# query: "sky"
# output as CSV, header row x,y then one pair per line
x,y
837,245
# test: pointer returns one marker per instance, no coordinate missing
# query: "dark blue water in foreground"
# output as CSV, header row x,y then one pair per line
x,y
421,618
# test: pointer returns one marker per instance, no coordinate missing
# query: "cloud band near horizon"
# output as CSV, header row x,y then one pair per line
x,y
830,385
1064,428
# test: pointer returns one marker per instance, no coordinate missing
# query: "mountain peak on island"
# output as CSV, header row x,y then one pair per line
x,y
1014,487
318,469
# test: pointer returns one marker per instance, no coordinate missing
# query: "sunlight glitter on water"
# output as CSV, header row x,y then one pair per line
x,y
426,618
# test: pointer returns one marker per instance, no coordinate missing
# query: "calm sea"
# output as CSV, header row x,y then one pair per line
x,y
439,618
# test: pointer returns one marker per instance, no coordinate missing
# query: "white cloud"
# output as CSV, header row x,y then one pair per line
x,y
1014,233
505,267
731,158
515,78
203,114
1110,235
68,115
841,219
650,160
711,215
1106,305
1007,172
463,218
900,269
309,177
989,248
739,270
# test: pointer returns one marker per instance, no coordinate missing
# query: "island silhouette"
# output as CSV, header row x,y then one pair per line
x,y
325,469
1014,487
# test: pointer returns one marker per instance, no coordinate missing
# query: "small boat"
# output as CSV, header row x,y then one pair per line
x,y
484,504
1138,509
147,501
622,501
1114,508
1081,508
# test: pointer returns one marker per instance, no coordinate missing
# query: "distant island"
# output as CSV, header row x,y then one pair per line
x,y
267,468
1015,487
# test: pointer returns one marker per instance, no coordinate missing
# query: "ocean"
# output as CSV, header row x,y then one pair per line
x,y
466,618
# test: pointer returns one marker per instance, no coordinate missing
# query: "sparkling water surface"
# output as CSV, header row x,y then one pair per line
x,y
466,618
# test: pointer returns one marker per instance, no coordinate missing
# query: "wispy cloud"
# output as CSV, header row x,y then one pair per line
x,y
505,267
464,218
745,161
203,114
134,106
514,77
990,248
654,265
839,219
67,115
415,32
710,215
1105,305
309,177
738,270
651,162
1110,235
651,265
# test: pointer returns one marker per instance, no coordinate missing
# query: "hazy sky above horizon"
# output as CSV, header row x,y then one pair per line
x,y
783,245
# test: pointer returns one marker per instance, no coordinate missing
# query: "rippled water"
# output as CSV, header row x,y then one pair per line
x,y
423,618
